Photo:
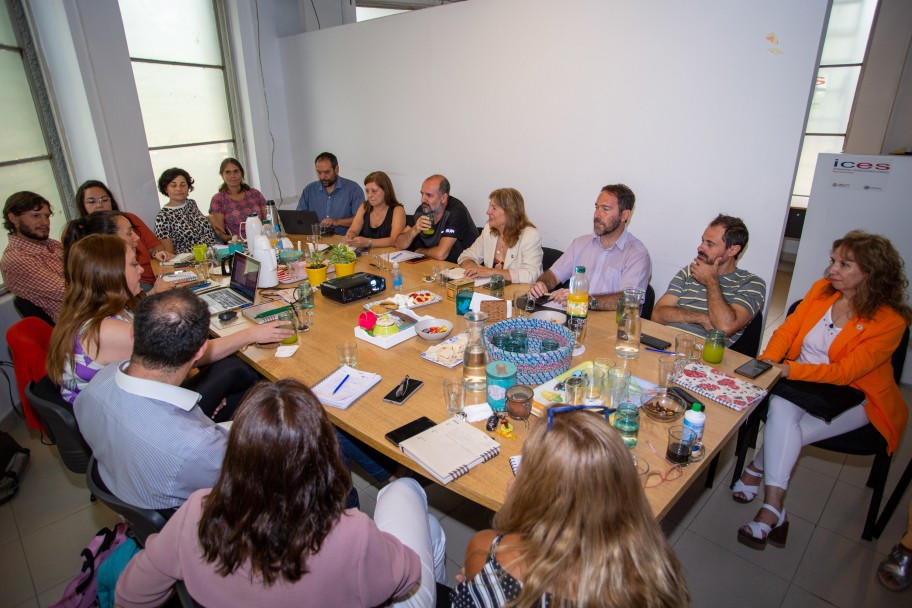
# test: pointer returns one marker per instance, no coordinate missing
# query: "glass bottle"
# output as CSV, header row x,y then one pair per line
x,y
475,356
628,333
578,300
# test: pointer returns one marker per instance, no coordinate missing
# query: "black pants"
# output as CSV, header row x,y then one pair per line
x,y
229,379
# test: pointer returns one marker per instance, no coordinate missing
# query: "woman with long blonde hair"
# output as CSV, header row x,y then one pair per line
x,y
575,529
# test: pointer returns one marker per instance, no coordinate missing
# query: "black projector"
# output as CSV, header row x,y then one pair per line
x,y
353,287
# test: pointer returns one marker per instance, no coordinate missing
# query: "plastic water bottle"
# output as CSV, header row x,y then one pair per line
x,y
397,278
695,420
269,232
578,301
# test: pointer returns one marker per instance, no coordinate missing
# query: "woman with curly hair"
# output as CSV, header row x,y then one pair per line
x,y
833,354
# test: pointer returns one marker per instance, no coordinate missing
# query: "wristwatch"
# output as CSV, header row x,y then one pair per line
x,y
593,303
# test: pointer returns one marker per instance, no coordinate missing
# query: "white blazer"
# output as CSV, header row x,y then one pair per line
x,y
523,260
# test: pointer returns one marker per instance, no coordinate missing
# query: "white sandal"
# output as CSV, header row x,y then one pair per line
x,y
761,533
749,491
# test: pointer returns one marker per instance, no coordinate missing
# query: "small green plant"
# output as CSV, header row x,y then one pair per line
x,y
317,259
341,254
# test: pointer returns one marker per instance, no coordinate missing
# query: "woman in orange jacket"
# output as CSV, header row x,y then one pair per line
x,y
843,333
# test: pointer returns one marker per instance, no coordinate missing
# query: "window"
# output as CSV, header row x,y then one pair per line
x,y
837,78
31,155
184,91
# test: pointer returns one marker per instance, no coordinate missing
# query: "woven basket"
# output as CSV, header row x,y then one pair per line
x,y
533,367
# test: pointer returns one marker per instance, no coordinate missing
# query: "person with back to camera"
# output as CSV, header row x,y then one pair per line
x,y
234,202
179,224
273,530
839,342
96,328
117,224
381,218
94,196
509,244
575,529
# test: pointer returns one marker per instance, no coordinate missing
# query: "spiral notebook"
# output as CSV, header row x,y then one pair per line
x,y
344,386
450,449
726,389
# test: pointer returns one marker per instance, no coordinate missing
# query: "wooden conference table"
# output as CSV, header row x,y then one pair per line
x,y
370,418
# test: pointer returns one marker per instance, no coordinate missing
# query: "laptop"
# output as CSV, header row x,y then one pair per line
x,y
241,291
298,222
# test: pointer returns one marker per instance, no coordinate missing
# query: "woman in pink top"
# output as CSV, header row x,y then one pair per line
x,y
274,531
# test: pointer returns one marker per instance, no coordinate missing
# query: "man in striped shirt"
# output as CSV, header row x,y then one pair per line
x,y
712,292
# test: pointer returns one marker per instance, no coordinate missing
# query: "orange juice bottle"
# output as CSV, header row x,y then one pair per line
x,y
578,301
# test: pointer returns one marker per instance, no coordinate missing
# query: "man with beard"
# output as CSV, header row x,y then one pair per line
x,y
32,263
449,233
614,259
334,199
712,292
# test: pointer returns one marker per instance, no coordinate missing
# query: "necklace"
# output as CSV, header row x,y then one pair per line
x,y
834,321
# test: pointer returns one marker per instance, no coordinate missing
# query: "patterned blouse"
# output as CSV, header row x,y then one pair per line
x,y
236,212
492,587
76,379
185,226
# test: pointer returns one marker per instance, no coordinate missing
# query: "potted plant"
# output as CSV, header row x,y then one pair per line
x,y
343,258
316,268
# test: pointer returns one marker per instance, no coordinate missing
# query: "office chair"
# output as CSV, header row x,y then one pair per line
x,y
27,308
61,424
649,300
144,521
864,441
28,342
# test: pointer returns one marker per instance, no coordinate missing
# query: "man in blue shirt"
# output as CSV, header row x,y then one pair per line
x,y
334,199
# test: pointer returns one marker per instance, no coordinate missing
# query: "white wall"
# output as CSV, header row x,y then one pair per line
x,y
684,102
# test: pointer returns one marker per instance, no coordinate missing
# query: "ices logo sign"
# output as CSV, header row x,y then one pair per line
x,y
860,174
841,165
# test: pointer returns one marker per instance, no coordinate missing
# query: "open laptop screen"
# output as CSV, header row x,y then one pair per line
x,y
244,273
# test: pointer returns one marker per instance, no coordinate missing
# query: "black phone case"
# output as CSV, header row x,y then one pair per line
x,y
397,436
748,370
654,342
690,399
410,389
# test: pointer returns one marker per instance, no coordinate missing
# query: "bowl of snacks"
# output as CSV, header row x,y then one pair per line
x,y
554,316
289,255
664,407
434,330
385,326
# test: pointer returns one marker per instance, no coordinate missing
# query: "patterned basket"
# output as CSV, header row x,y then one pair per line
x,y
533,367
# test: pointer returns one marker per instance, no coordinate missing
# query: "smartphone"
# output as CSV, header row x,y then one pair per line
x,y
654,342
753,368
690,399
411,386
397,436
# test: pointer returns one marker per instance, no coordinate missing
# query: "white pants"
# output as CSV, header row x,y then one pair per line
x,y
403,512
789,428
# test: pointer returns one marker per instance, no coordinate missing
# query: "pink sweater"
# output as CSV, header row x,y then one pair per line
x,y
358,565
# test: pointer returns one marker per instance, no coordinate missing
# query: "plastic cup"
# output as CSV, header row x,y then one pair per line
x,y
199,252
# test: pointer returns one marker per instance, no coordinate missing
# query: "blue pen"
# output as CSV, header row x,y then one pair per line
x,y
658,350
340,384
395,256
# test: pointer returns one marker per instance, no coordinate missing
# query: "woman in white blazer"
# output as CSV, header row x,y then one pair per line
x,y
509,244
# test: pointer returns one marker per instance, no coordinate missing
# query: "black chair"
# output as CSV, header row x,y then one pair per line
x,y
649,300
27,308
60,422
549,256
144,521
864,441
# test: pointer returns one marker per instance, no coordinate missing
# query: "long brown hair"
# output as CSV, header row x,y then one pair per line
x,y
384,183
885,281
511,201
96,289
282,487
587,534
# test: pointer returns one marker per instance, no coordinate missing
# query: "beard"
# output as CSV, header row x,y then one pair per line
x,y
326,183
23,231
603,229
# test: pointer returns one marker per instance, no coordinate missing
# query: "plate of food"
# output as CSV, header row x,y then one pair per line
x,y
449,352
434,330
414,299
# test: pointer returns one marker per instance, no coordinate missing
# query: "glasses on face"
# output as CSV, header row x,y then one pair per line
x,y
101,200
571,408
654,479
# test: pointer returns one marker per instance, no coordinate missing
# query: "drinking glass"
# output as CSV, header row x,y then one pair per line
x,y
453,395
642,469
683,446
604,364
578,326
520,299
668,368
714,346
305,318
593,394
464,301
315,235
684,347
348,353
287,320
627,422
616,386
199,252
573,390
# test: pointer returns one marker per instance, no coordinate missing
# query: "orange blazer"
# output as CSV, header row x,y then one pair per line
x,y
859,357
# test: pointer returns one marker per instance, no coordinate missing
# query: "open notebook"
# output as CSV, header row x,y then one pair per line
x,y
450,449
344,386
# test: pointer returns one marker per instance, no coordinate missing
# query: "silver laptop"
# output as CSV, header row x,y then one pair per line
x,y
241,291
297,222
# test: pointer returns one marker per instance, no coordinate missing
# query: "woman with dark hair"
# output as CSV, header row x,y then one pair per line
x,y
93,196
509,244
234,201
575,529
179,224
839,342
274,530
95,328
381,218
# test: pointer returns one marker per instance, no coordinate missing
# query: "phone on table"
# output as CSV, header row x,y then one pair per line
x,y
654,342
753,368
408,386
397,436
687,397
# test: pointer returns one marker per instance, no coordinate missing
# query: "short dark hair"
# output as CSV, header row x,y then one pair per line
x,y
19,203
80,196
169,175
100,222
626,197
735,231
169,328
443,187
333,161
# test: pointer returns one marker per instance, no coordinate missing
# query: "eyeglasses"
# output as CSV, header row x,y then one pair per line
x,y
101,199
562,409
654,479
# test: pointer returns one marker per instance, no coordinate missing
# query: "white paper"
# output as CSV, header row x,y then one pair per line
x,y
477,412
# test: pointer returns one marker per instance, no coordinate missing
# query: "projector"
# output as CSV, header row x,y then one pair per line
x,y
353,287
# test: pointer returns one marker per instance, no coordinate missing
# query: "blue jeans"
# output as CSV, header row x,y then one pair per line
x,y
374,463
